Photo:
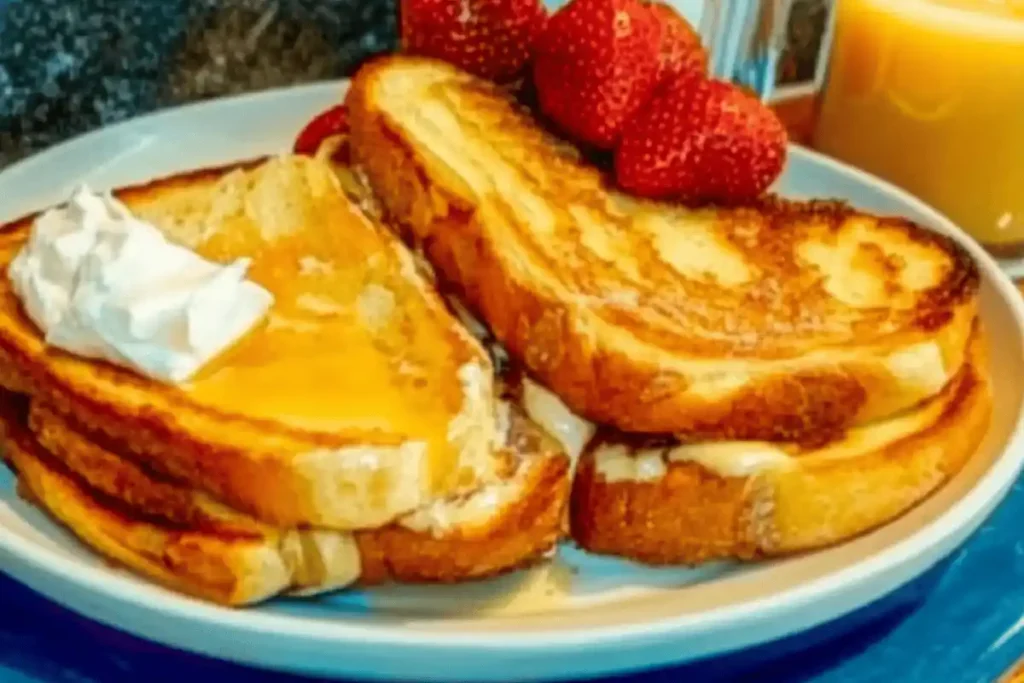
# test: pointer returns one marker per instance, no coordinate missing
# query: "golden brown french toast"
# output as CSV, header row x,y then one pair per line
x,y
185,539
779,320
669,502
358,400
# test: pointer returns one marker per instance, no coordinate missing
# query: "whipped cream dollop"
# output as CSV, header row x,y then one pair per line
x,y
101,283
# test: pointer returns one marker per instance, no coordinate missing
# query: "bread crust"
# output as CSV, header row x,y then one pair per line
x,y
642,386
692,514
187,541
234,457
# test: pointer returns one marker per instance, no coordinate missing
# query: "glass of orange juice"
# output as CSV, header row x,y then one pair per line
x,y
929,94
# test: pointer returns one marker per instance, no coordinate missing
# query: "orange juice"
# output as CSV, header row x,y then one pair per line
x,y
930,95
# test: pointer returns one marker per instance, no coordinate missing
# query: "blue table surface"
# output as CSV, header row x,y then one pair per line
x,y
962,622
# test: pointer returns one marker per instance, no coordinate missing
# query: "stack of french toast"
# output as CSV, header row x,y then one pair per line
x,y
480,348
357,435
734,381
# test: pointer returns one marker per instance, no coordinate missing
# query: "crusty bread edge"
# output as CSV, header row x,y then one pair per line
x,y
227,571
255,562
564,350
692,515
304,469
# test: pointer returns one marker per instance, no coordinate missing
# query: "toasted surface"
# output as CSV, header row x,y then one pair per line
x,y
780,320
359,399
667,504
183,538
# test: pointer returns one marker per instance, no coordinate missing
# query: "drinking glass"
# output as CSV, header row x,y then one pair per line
x,y
929,94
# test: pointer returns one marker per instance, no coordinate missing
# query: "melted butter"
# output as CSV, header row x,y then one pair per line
x,y
543,588
330,368
572,432
732,459
617,462
351,341
306,380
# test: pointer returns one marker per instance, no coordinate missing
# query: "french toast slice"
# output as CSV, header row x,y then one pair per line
x,y
779,320
358,400
687,503
185,539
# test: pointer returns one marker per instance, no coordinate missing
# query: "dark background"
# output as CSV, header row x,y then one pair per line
x,y
68,66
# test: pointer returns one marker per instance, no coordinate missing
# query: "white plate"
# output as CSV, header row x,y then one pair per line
x,y
582,617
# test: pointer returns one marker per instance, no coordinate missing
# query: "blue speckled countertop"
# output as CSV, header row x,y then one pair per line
x,y
67,66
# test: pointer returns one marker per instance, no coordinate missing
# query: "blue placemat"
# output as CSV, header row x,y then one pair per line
x,y
963,622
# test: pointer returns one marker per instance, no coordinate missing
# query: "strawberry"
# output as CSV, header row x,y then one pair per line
x,y
492,39
681,49
595,65
333,121
700,140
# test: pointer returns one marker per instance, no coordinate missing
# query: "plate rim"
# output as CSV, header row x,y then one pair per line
x,y
974,506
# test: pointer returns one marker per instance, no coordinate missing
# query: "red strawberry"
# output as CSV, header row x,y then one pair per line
x,y
490,38
333,121
699,141
596,64
681,49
